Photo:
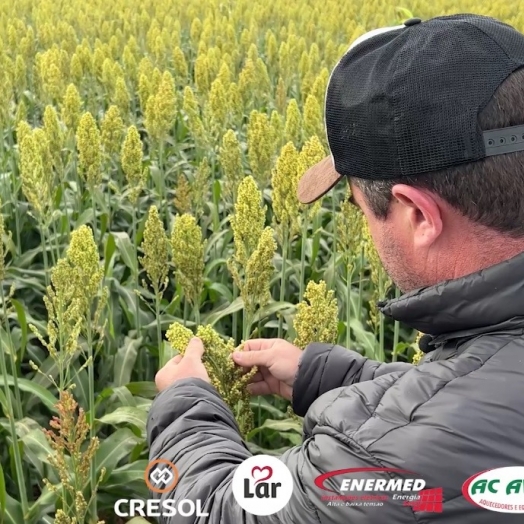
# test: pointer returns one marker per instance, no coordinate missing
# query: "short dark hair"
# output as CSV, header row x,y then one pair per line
x,y
489,192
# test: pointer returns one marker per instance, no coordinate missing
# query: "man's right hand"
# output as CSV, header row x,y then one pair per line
x,y
277,362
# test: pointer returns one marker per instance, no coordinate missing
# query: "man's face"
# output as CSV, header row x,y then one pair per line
x,y
394,240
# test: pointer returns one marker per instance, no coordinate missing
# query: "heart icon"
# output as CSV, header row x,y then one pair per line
x,y
261,470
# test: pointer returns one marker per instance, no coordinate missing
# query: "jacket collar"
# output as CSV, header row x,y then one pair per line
x,y
489,300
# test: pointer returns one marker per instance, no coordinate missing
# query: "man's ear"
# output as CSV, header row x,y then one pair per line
x,y
422,211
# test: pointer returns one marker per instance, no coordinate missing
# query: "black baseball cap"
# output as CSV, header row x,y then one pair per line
x,y
405,100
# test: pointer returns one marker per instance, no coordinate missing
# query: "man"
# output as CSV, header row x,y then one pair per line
x,y
426,122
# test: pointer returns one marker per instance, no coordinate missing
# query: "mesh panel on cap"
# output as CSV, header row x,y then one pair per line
x,y
406,102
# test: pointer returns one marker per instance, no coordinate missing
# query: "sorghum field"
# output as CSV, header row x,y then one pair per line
x,y
149,155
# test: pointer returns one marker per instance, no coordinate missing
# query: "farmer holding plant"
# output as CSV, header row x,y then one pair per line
x,y
426,123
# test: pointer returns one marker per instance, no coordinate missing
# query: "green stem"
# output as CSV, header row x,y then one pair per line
x,y
15,177
382,357
246,324
44,253
159,328
349,278
92,433
140,370
301,277
55,250
396,331
186,312
93,208
162,185
196,313
283,279
20,477
360,284
235,314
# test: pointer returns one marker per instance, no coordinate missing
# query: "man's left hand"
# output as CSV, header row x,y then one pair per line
x,y
188,366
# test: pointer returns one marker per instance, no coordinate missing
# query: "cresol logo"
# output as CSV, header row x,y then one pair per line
x,y
500,489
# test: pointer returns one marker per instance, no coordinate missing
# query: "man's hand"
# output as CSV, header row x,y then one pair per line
x,y
277,362
187,366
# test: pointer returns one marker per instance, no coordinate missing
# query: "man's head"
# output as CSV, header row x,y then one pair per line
x,y
431,224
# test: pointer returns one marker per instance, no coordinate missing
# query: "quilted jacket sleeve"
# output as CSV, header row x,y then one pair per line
x,y
190,425
324,367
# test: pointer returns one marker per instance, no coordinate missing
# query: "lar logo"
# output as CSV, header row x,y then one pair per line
x,y
161,476
500,489
262,485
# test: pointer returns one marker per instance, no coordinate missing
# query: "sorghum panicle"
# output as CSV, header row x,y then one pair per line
x,y
260,148
248,219
89,149
155,247
187,247
112,130
316,319
284,184
230,157
228,379
131,159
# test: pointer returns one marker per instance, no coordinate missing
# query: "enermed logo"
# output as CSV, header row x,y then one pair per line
x,y
500,489
377,487
161,476
262,485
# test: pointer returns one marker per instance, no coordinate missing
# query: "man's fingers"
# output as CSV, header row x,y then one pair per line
x,y
260,388
257,377
248,359
259,344
195,349
173,361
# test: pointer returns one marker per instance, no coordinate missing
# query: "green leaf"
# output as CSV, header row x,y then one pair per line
x,y
22,321
125,360
126,415
81,391
365,338
222,312
44,504
131,476
3,494
3,402
13,511
114,448
34,389
263,403
271,309
36,441
143,389
124,396
109,252
281,426
126,249
138,520
258,450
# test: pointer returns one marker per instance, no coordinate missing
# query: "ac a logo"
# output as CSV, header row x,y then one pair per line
x,y
256,486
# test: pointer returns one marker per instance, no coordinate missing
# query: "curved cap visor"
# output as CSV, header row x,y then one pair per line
x,y
317,181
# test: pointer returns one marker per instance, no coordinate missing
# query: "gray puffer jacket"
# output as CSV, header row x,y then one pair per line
x,y
458,413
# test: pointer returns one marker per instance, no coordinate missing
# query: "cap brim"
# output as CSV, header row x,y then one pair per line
x,y
317,181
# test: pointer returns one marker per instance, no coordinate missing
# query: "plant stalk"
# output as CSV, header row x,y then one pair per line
x,y
20,476
285,246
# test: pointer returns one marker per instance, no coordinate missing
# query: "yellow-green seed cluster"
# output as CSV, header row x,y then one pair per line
x,y
316,319
228,379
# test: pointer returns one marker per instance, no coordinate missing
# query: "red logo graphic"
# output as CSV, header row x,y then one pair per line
x,y
269,470
430,500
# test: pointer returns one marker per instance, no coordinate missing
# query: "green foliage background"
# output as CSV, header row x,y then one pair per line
x,y
75,77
